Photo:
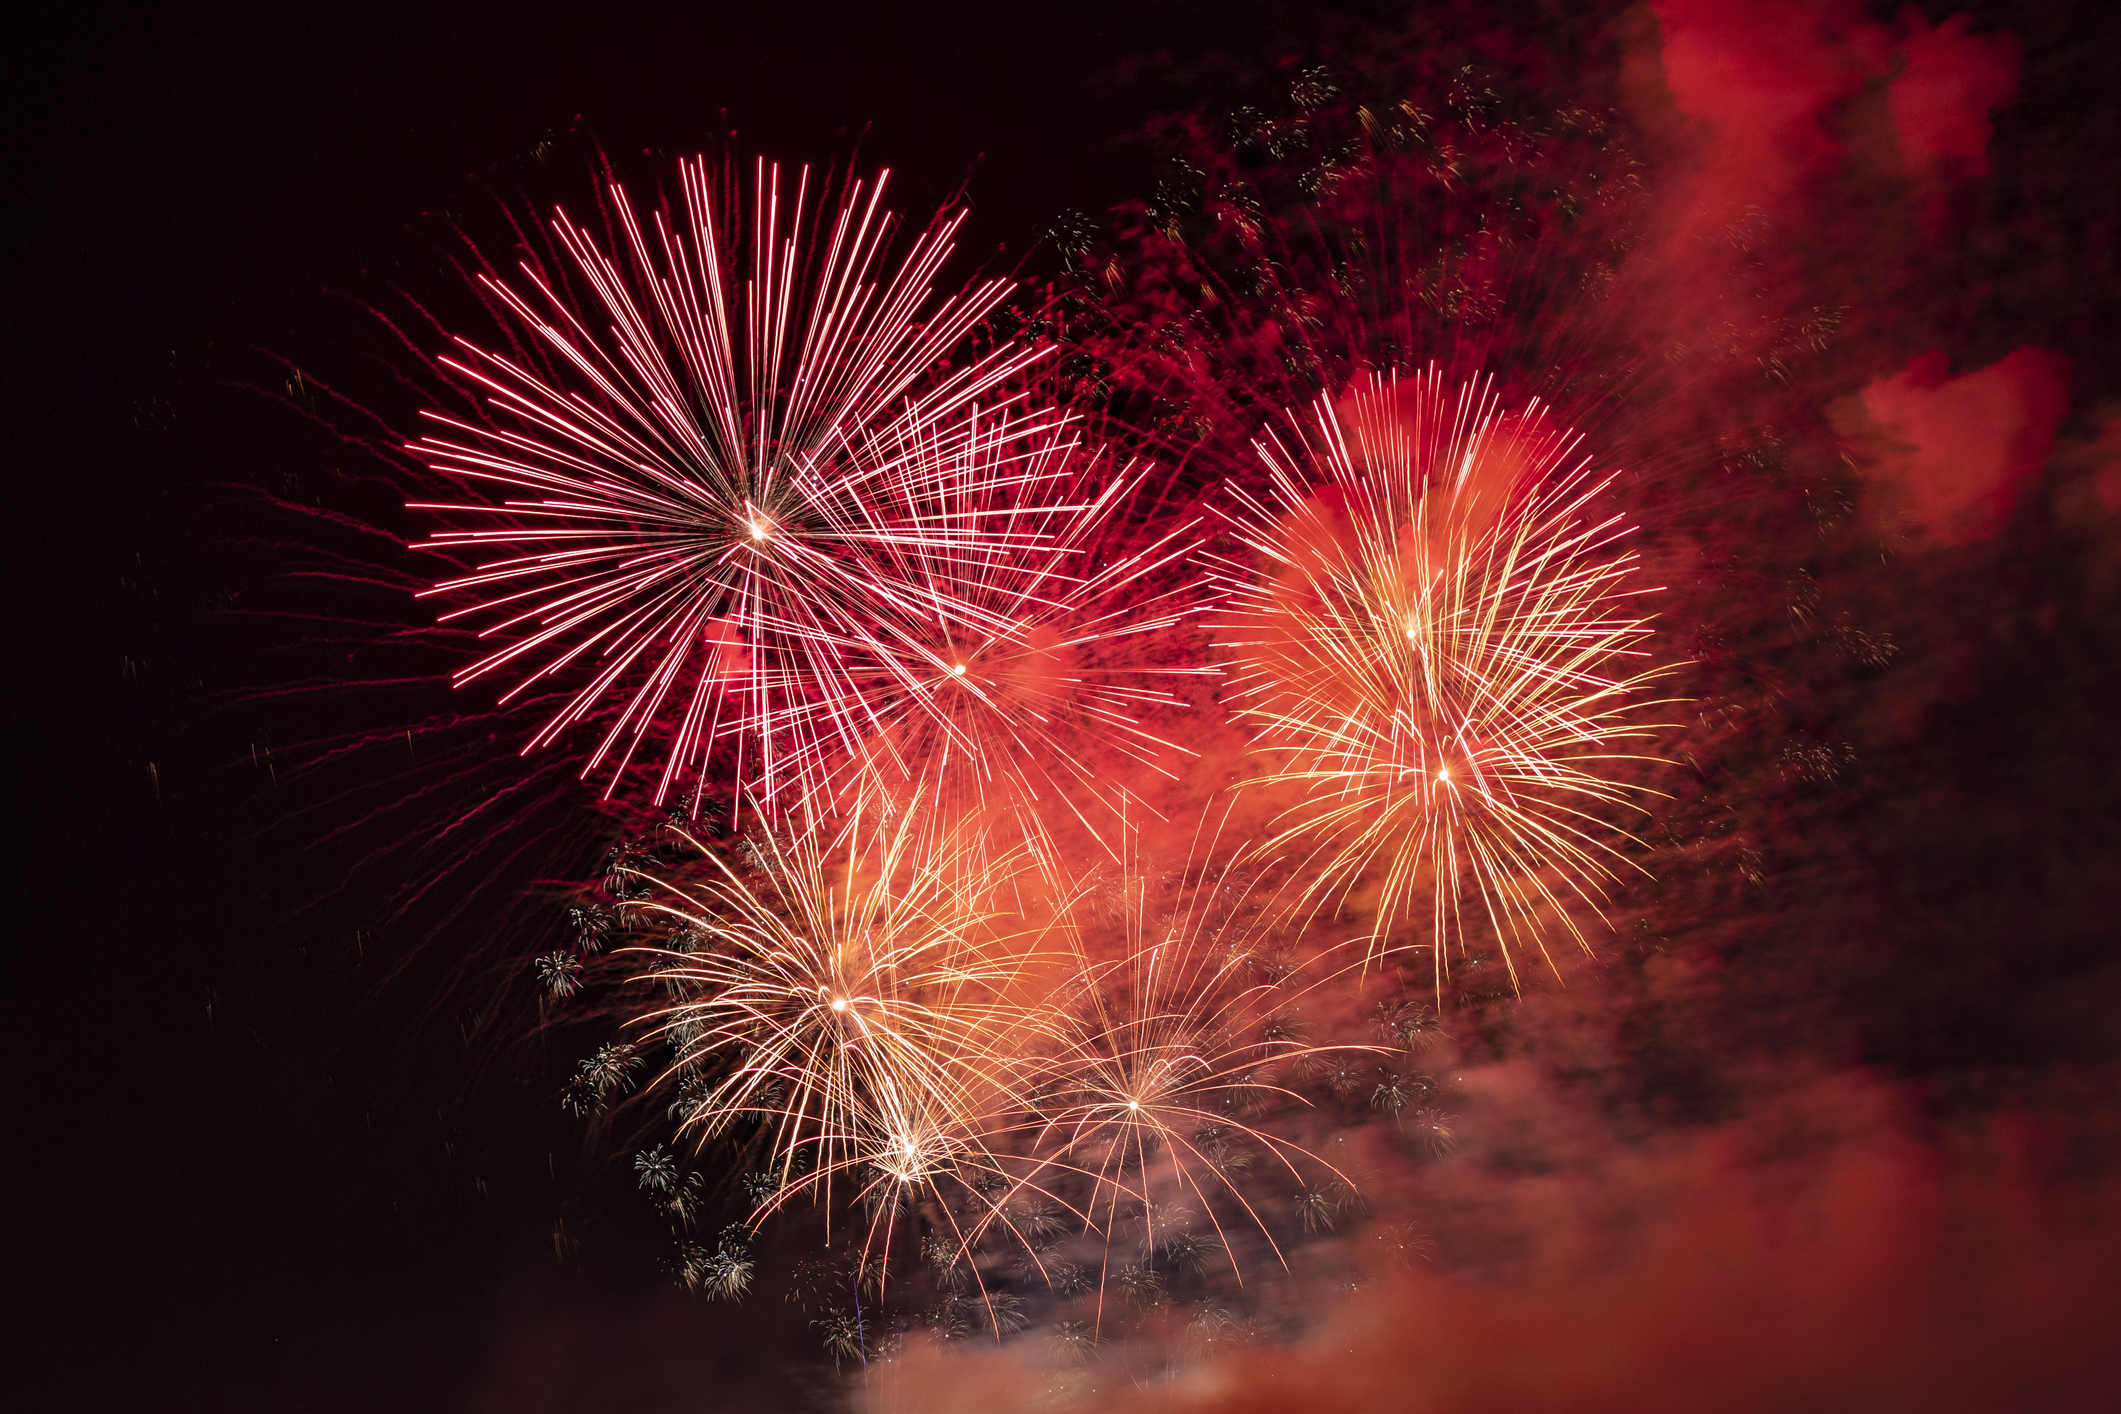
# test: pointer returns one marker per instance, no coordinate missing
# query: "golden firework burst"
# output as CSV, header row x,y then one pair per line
x,y
1438,642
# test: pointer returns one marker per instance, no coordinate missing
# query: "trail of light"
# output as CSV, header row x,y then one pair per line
x,y
1170,1044
846,983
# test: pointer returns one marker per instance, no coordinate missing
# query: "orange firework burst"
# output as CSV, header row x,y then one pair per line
x,y
864,1004
717,443
857,1001
900,1040
1437,647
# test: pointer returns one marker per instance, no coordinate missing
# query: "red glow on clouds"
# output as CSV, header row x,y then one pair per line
x,y
1780,89
1765,79
1883,1269
1824,144
1942,102
1961,450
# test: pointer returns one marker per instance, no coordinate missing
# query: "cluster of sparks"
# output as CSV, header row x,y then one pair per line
x,y
859,992
775,526
864,1019
744,481
991,717
1171,1044
1439,648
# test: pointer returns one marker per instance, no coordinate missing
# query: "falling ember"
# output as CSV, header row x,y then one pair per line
x,y
696,386
1436,644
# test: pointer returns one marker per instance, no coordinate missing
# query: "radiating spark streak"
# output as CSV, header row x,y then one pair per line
x,y
1005,709
907,1145
1435,643
904,1086
896,1036
724,442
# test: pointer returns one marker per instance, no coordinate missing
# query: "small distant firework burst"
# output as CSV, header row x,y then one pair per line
x,y
732,461
1440,649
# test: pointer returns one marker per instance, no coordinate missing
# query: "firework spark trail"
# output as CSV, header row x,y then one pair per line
x,y
868,1021
997,716
1439,651
966,1166
708,496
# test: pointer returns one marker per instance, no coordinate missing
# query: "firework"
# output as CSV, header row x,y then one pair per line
x,y
854,1001
1003,713
957,1164
714,445
1136,1098
1439,651
1168,1054
904,1046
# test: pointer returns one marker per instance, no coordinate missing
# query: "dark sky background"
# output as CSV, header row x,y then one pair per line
x,y
242,1152
240,1199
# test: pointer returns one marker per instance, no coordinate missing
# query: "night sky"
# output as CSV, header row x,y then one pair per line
x,y
281,1147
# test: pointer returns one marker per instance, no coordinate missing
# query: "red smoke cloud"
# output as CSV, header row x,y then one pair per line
x,y
2096,494
1834,143
1776,85
1752,1268
1950,83
1765,79
1959,451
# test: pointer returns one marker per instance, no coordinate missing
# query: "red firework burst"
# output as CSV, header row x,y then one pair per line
x,y
1019,699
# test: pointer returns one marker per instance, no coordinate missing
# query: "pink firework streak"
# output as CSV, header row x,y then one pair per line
x,y
719,450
